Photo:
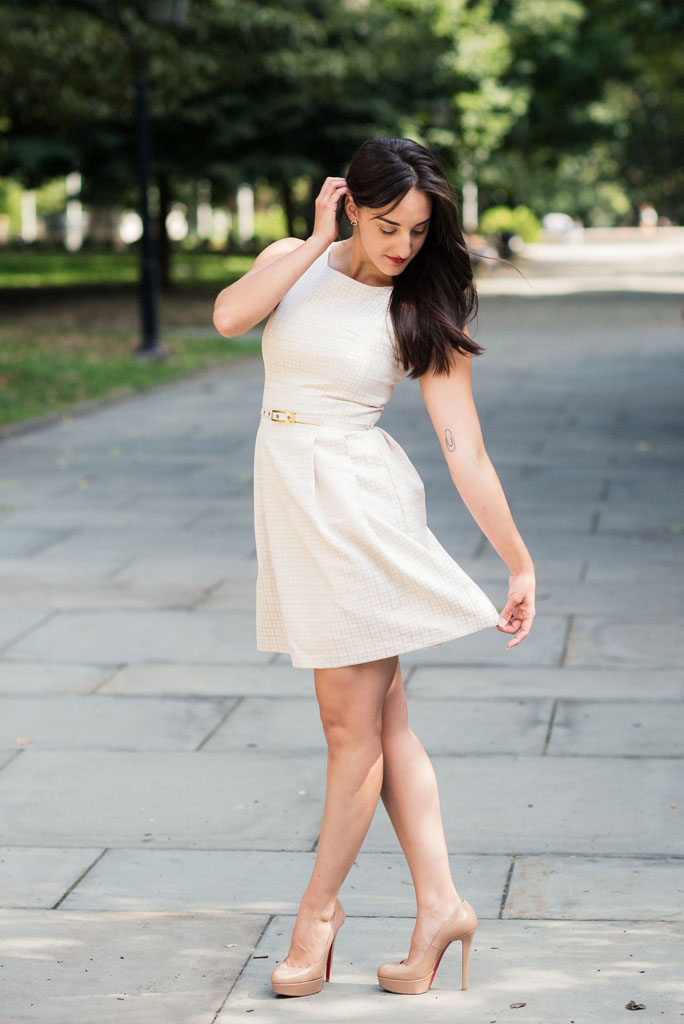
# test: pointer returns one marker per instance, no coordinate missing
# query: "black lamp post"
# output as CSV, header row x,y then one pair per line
x,y
160,12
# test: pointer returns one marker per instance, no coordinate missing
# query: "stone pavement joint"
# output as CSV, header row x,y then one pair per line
x,y
161,782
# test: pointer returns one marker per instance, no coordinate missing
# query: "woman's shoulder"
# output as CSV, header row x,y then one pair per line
x,y
280,248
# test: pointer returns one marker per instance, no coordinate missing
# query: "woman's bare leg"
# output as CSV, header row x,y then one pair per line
x,y
410,795
351,704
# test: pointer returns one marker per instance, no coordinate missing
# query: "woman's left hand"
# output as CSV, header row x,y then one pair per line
x,y
518,612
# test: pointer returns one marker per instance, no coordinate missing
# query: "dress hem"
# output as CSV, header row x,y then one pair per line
x,y
387,651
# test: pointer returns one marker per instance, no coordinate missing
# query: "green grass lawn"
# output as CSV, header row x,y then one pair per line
x,y
70,323
49,371
46,268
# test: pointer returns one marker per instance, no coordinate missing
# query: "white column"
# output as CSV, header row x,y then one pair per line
x,y
245,213
204,210
73,223
470,214
29,216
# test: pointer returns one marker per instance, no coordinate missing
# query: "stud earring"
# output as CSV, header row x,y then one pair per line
x,y
354,223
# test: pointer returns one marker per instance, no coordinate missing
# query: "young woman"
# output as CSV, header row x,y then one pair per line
x,y
350,577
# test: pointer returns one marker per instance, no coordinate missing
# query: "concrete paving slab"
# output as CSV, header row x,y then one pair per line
x,y
195,800
268,882
39,876
633,641
50,677
640,486
647,572
7,756
601,597
26,540
597,889
640,728
149,542
491,571
554,804
233,595
642,517
562,971
563,485
458,682
190,567
120,637
278,680
90,595
97,566
15,622
609,548
445,727
209,485
78,512
96,722
226,513
578,518
262,723
141,968
463,727
545,646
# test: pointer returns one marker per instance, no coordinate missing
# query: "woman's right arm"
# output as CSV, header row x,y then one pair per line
x,y
245,303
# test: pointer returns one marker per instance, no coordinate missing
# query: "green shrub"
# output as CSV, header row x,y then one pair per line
x,y
519,221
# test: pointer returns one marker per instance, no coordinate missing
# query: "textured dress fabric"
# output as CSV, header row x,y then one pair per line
x,y
348,570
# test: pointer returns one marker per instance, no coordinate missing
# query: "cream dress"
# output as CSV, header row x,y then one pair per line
x,y
348,570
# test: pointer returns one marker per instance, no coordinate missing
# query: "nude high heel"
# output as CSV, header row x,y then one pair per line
x,y
418,978
306,981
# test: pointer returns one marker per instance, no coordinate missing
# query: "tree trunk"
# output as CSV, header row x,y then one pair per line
x,y
288,206
163,245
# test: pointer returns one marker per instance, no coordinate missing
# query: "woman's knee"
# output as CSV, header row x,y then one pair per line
x,y
351,702
344,728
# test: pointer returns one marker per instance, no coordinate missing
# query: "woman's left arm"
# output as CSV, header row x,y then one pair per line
x,y
450,404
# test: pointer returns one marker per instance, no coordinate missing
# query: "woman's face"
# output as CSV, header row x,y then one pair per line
x,y
390,238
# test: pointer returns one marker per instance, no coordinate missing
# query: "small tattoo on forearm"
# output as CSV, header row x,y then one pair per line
x,y
449,441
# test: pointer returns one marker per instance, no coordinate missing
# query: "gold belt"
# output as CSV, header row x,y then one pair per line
x,y
282,416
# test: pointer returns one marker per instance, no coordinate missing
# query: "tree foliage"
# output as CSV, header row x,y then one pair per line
x,y
573,104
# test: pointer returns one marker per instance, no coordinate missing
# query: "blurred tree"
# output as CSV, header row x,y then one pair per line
x,y
571,103
652,152
604,127
244,90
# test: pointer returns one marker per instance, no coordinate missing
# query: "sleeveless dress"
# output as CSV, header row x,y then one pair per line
x,y
348,570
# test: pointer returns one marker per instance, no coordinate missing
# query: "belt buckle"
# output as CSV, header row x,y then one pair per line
x,y
280,416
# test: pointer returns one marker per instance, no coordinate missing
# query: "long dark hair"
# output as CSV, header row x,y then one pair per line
x,y
434,297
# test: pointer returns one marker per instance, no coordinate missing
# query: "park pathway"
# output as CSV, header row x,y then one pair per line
x,y
161,781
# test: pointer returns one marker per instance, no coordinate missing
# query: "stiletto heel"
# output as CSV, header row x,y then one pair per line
x,y
306,981
466,943
328,969
416,979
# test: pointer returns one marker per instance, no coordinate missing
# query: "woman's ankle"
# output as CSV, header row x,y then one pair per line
x,y
318,905
435,901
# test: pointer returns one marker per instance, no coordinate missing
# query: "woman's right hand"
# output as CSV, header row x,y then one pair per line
x,y
325,227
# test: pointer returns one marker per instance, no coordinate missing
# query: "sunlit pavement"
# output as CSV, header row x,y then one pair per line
x,y
607,261
161,781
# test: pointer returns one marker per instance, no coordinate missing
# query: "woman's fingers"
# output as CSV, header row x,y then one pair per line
x,y
332,186
508,612
516,618
325,221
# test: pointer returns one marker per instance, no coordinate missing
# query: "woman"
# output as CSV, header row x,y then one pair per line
x,y
349,575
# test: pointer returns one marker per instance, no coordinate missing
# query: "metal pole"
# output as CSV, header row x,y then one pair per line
x,y
149,347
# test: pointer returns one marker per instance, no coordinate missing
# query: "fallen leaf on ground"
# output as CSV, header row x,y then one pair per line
x,y
631,1005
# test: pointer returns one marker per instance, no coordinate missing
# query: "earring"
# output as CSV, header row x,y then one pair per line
x,y
354,223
